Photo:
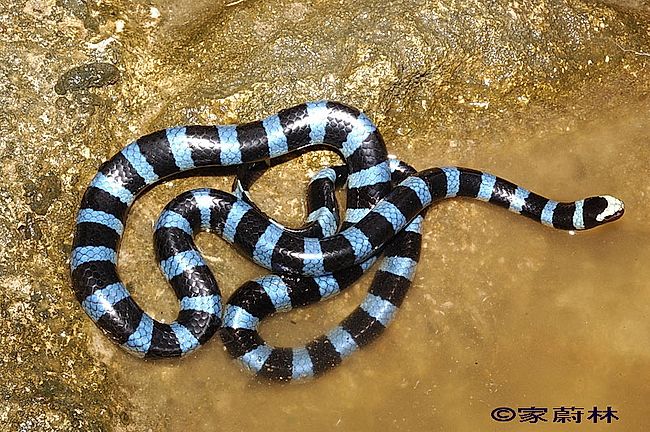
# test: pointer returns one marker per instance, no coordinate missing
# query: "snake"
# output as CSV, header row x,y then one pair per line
x,y
386,201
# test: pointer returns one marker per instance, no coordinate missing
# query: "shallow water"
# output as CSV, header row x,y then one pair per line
x,y
502,312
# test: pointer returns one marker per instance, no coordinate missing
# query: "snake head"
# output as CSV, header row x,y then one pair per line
x,y
602,209
614,209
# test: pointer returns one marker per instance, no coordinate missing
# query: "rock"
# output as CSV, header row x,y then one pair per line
x,y
42,192
87,76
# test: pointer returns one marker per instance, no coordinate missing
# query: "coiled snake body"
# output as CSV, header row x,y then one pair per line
x,y
385,203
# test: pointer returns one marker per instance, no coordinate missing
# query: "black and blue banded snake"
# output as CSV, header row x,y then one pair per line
x,y
383,215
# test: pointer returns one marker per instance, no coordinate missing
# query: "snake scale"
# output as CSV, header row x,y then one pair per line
x,y
386,200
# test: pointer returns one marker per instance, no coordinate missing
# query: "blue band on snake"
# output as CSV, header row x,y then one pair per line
x,y
383,215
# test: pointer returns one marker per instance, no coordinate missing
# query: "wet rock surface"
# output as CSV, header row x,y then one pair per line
x,y
80,79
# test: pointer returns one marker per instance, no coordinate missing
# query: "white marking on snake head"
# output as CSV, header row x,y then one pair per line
x,y
614,207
